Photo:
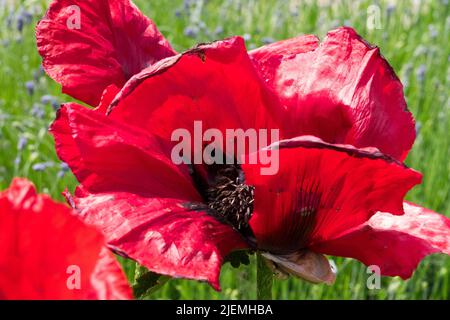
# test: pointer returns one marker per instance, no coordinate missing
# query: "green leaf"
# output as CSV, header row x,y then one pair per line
x,y
147,282
238,258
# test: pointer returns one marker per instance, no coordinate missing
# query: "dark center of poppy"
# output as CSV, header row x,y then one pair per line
x,y
230,197
226,194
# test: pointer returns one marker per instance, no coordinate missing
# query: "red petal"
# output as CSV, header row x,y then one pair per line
x,y
322,190
214,83
106,155
396,244
342,91
108,268
107,97
140,200
168,236
41,241
272,57
112,42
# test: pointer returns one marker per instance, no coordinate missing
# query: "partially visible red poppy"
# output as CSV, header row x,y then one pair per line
x,y
47,253
172,218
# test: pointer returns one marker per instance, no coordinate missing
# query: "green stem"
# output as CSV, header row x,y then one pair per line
x,y
264,279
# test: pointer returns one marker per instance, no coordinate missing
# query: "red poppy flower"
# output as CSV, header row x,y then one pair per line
x,y
347,183
47,253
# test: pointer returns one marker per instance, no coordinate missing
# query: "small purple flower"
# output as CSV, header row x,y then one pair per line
x,y
37,111
219,30
202,25
191,32
26,16
22,19
55,104
390,9
20,24
187,4
30,86
21,144
420,73
39,167
10,19
418,127
268,40
433,32
38,73
46,99
50,100
63,168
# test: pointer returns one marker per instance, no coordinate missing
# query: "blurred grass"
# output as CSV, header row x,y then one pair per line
x,y
413,37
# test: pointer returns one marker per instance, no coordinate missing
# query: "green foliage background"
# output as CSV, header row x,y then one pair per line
x,y
414,37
